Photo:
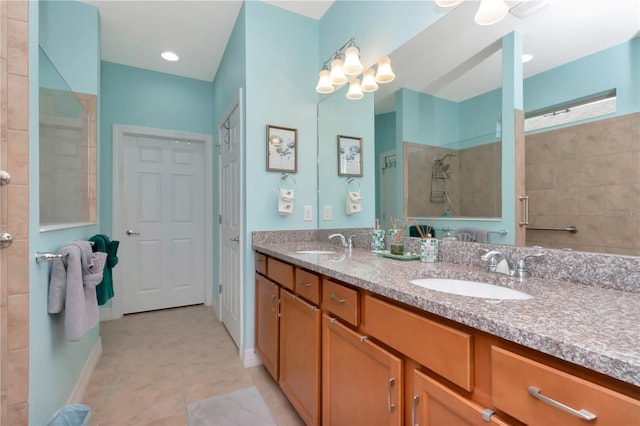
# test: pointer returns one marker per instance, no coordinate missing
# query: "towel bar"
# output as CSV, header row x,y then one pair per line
x,y
571,229
45,256
501,232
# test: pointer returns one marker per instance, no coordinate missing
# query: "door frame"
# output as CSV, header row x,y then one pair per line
x,y
235,104
114,311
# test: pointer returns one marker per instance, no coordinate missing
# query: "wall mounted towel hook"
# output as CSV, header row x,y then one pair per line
x,y
286,177
349,181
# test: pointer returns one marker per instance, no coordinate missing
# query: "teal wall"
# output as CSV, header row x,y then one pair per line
x,y
71,33
615,68
281,71
230,78
138,97
338,115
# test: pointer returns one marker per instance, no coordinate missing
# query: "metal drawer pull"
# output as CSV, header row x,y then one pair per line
x,y
486,414
306,284
582,413
390,406
337,299
414,404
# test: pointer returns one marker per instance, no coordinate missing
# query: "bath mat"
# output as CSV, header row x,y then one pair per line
x,y
243,407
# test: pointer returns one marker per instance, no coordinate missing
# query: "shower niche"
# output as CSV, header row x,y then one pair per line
x,y
455,180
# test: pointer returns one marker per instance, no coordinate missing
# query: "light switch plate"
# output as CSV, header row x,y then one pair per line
x,y
308,213
326,213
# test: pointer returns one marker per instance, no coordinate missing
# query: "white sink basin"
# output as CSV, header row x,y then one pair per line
x,y
471,288
315,251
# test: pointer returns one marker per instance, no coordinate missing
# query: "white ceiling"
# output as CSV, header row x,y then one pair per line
x,y
452,58
135,32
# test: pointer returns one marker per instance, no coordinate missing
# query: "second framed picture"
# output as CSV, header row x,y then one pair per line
x,y
349,156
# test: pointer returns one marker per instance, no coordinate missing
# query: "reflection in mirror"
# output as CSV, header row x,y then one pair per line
x,y
67,152
455,180
451,150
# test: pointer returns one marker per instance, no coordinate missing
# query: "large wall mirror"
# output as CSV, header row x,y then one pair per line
x,y
583,173
67,152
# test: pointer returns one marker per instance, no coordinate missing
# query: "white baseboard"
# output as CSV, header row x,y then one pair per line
x,y
85,375
105,313
250,358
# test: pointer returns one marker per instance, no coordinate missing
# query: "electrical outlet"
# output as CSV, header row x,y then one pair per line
x,y
326,213
308,213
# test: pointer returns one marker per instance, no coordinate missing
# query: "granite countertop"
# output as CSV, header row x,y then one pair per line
x,y
593,327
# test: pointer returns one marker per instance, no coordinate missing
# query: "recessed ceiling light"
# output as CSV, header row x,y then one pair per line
x,y
526,57
169,56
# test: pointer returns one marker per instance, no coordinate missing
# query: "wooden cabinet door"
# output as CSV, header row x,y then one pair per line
x,y
361,382
300,355
433,404
266,327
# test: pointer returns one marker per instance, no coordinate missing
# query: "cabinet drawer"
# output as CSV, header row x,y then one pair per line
x,y
442,349
261,263
280,272
512,377
341,301
436,404
308,286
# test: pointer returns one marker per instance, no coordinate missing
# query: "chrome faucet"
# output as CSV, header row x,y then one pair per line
x,y
346,242
343,240
497,262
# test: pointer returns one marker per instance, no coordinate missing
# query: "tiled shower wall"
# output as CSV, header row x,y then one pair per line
x,y
14,212
473,181
587,176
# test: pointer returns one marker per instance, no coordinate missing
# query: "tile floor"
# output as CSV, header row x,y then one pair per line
x,y
154,364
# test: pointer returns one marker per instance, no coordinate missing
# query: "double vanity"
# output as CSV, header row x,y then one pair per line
x,y
356,338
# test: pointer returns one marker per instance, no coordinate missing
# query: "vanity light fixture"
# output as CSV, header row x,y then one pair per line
x,y
349,70
489,12
169,56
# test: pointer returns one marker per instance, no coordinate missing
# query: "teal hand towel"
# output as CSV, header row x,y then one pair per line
x,y
104,290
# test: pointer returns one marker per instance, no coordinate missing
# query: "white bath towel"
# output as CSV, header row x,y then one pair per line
x,y
285,201
72,288
477,235
354,202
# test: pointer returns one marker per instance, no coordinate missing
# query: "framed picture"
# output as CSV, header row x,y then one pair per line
x,y
349,156
282,149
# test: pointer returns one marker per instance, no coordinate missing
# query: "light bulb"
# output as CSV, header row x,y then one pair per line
x,y
324,84
355,91
352,65
491,11
369,81
169,56
337,76
384,74
448,3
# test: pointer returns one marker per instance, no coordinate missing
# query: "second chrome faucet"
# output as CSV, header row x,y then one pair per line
x,y
497,262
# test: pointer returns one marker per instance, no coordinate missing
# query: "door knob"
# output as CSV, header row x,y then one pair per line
x,y
234,239
5,178
5,239
132,233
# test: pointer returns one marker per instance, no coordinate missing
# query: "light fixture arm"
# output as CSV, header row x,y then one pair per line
x,y
340,52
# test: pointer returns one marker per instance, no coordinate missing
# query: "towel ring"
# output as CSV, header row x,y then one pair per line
x,y
284,177
349,180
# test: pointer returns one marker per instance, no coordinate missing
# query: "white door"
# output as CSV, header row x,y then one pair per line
x,y
387,188
230,224
162,246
